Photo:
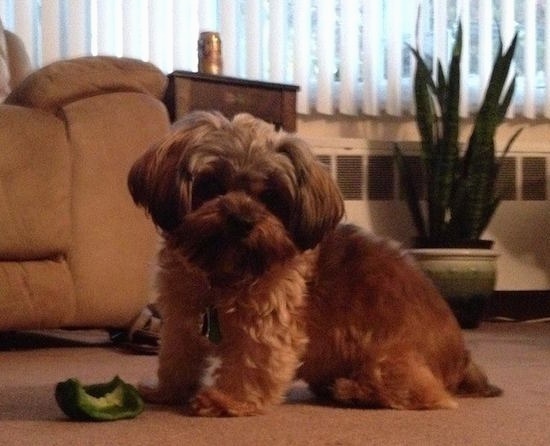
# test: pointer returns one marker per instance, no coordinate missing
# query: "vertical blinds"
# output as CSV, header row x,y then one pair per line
x,y
347,56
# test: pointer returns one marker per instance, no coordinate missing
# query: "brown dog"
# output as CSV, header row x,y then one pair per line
x,y
250,222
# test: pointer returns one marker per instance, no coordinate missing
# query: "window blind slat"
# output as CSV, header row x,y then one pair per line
x,y
23,27
485,53
508,29
185,35
394,65
50,36
530,60
6,13
207,15
161,27
302,53
76,24
228,29
134,28
440,34
325,53
464,106
547,61
254,40
349,55
277,41
109,27
372,56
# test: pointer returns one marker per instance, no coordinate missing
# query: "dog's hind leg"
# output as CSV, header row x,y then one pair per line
x,y
395,381
476,384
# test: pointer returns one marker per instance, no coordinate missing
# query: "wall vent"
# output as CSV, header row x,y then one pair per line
x,y
533,175
380,177
370,174
506,181
350,176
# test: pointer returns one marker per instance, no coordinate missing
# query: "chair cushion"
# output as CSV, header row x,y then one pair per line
x,y
35,184
36,294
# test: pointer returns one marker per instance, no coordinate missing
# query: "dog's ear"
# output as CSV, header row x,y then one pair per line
x,y
318,205
154,185
160,180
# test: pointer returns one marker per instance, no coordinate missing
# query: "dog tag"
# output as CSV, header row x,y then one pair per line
x,y
211,325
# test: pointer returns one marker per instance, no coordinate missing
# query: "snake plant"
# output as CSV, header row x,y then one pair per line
x,y
460,184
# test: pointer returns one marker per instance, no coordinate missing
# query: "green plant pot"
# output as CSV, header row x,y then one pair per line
x,y
465,277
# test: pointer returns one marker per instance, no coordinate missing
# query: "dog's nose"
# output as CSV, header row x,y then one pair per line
x,y
239,225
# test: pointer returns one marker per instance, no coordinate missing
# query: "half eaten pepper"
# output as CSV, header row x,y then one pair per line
x,y
114,400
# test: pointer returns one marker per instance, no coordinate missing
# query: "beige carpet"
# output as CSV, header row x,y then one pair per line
x,y
516,355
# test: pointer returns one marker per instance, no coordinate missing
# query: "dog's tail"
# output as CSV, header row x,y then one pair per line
x,y
476,384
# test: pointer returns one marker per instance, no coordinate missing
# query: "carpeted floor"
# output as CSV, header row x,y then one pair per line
x,y
515,355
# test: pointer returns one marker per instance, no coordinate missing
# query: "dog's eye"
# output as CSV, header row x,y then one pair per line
x,y
276,202
205,188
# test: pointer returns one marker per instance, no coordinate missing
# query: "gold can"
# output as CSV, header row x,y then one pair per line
x,y
210,53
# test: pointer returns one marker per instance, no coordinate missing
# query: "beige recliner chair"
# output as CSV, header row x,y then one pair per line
x,y
74,250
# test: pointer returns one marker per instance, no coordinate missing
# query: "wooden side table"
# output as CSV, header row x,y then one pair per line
x,y
271,102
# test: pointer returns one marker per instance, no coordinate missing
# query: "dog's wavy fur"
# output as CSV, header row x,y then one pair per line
x,y
250,227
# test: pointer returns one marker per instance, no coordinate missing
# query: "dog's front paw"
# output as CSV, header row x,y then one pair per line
x,y
153,393
215,403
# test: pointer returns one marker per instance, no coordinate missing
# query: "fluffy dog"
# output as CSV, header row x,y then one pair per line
x,y
251,233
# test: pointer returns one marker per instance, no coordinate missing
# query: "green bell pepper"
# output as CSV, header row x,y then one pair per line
x,y
114,400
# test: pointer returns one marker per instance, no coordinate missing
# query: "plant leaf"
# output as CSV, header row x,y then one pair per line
x,y
409,188
426,120
445,156
474,201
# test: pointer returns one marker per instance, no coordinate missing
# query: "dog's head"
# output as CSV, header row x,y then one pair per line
x,y
214,184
